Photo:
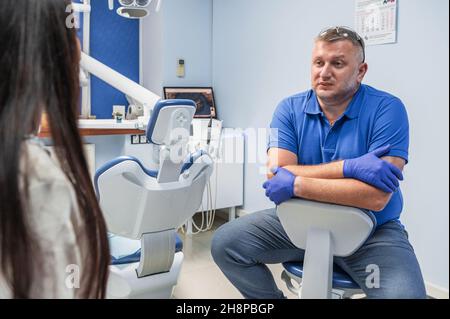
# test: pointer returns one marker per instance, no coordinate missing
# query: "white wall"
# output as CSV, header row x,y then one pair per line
x,y
421,80
152,51
261,53
182,29
188,35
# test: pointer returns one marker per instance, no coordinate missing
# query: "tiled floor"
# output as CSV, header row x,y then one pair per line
x,y
200,278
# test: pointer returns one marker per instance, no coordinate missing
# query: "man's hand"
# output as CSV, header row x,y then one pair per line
x,y
281,187
371,169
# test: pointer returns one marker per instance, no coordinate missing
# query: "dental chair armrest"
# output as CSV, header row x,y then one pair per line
x,y
349,226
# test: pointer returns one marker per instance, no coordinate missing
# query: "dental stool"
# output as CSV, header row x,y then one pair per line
x,y
323,231
143,208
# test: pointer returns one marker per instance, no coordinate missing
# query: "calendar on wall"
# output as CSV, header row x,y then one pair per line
x,y
376,21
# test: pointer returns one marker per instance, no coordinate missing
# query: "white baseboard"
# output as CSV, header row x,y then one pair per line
x,y
241,212
435,291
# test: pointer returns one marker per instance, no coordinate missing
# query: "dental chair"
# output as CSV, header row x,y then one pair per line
x,y
323,231
143,208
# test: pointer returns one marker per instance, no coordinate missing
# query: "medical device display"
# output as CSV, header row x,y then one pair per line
x,y
202,96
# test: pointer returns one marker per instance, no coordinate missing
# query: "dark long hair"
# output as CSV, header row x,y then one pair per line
x,y
39,72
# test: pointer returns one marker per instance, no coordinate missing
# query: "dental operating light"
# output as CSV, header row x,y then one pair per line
x,y
143,3
133,9
136,3
126,2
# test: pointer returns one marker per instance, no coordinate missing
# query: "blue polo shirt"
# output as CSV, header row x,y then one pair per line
x,y
372,119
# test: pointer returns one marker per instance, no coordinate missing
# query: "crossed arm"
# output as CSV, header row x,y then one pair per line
x,y
326,182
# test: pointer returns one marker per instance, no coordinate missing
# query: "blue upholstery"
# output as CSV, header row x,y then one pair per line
x,y
187,165
136,256
115,162
158,107
340,278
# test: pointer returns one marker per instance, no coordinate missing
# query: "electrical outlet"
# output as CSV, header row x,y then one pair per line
x,y
143,139
135,139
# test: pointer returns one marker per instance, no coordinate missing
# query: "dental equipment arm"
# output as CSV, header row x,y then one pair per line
x,y
140,94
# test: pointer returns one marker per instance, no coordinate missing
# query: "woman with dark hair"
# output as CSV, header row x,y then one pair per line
x,y
53,241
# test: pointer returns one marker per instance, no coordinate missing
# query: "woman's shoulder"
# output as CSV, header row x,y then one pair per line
x,y
39,165
51,196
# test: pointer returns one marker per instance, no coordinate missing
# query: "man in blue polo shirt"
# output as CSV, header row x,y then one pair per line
x,y
341,142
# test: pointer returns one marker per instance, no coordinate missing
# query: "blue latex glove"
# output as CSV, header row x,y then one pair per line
x,y
374,171
281,187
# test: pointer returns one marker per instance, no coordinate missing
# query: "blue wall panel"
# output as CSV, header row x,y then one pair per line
x,y
114,42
